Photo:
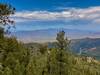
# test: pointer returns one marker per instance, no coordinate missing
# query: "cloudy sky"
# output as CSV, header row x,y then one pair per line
x,y
45,14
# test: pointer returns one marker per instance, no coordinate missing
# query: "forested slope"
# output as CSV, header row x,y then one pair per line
x,y
15,59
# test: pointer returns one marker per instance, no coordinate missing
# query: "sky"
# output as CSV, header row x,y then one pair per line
x,y
46,14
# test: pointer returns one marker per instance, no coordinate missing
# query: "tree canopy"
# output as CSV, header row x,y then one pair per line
x,y
5,11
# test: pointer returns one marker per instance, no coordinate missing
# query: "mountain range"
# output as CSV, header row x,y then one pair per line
x,y
49,35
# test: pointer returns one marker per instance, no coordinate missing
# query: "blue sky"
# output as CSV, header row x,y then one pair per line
x,y
45,14
51,4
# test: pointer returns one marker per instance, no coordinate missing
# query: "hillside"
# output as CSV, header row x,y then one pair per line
x,y
86,46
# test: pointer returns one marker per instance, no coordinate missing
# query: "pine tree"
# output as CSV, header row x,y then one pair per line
x,y
5,11
62,55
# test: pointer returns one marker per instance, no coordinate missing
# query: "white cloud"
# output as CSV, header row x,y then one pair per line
x,y
92,14
42,15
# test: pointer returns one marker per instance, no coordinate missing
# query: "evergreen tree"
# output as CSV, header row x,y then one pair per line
x,y
62,41
5,11
62,53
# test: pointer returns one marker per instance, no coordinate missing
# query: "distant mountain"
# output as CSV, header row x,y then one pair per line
x,y
48,35
90,44
86,47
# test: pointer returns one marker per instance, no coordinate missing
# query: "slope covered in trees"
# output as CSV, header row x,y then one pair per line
x,y
15,59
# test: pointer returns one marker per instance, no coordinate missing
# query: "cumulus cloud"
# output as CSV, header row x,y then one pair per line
x,y
92,14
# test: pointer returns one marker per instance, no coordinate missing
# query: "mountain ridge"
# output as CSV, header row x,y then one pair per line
x,y
47,35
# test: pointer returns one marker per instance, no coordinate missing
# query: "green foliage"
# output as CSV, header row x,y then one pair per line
x,y
13,56
5,11
7,71
16,59
63,43
1,32
62,53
